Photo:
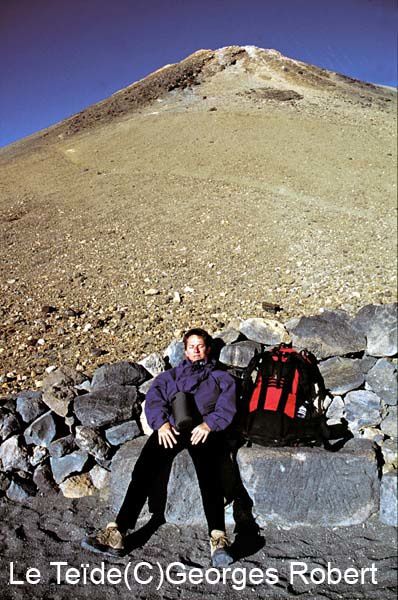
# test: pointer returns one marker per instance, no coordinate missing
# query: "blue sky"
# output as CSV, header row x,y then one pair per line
x,y
59,56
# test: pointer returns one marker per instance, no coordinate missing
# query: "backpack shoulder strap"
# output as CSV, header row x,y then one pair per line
x,y
312,364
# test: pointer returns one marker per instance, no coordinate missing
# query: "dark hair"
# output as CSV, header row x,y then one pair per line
x,y
200,333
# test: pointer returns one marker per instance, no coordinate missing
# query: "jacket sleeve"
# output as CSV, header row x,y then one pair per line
x,y
157,406
225,408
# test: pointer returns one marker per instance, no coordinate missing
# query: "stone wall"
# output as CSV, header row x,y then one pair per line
x,y
79,435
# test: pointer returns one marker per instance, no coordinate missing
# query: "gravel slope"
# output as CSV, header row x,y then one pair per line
x,y
215,187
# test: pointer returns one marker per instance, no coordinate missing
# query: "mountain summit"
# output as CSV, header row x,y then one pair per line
x,y
233,75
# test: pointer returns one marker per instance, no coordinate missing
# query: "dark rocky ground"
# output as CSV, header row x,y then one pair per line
x,y
35,535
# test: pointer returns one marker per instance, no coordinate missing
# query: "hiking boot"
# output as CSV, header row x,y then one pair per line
x,y
107,541
219,544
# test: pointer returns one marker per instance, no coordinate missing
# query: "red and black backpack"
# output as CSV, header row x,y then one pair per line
x,y
280,389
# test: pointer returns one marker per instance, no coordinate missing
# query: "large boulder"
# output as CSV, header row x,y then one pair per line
x,y
62,446
68,464
184,504
289,486
119,434
264,331
58,389
382,380
239,354
9,424
378,323
13,455
30,405
341,375
303,486
106,406
119,373
362,408
42,431
91,441
331,333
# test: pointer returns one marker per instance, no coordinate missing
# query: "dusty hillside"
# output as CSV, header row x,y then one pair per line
x,y
234,178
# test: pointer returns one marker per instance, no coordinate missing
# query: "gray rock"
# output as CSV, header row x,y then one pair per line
x,y
362,409
68,464
389,449
100,477
9,424
43,479
366,363
38,456
62,446
341,375
239,354
119,373
42,431
335,411
331,333
264,331
20,490
379,324
175,353
228,336
154,363
388,499
91,441
106,406
389,422
13,455
382,380
30,405
289,486
122,433
303,486
184,504
122,466
58,389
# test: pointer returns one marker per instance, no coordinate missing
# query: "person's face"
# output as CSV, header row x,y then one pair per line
x,y
196,348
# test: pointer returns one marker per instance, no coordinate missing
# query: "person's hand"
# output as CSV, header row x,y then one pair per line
x,y
200,433
166,435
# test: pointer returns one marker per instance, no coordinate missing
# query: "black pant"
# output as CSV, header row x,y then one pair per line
x,y
155,460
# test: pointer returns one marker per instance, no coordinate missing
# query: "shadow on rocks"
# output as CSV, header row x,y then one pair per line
x,y
248,540
141,536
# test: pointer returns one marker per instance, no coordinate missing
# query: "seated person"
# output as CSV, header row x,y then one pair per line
x,y
214,396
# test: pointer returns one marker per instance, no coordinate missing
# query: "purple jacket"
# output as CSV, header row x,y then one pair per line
x,y
214,391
